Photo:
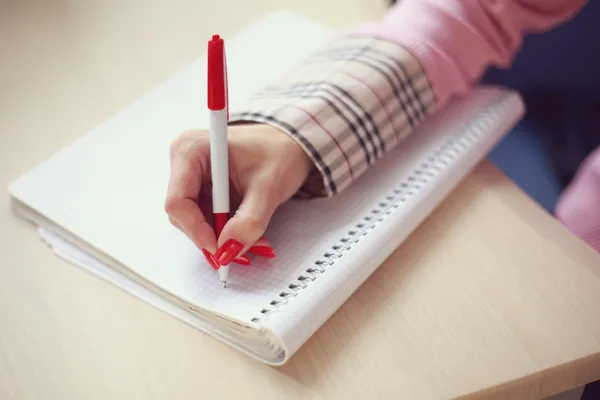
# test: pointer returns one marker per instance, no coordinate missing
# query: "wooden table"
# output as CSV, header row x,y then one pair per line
x,y
491,297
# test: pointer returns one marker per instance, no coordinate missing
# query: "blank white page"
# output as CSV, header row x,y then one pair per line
x,y
108,189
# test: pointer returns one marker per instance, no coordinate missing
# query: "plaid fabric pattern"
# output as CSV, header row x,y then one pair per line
x,y
345,105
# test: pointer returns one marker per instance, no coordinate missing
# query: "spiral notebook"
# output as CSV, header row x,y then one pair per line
x,y
99,203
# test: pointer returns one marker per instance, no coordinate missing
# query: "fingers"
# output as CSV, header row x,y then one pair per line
x,y
246,228
187,175
186,216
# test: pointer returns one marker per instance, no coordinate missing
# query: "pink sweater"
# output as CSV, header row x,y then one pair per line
x,y
456,40
359,96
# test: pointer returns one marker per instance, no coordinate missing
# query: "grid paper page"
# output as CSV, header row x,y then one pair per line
x,y
386,205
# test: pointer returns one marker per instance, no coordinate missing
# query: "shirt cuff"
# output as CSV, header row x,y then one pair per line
x,y
346,105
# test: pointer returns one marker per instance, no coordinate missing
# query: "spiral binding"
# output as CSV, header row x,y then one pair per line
x,y
427,171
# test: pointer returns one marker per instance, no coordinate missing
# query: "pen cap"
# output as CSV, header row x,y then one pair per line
x,y
217,78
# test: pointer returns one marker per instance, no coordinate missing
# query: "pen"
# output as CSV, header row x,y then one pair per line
x,y
219,158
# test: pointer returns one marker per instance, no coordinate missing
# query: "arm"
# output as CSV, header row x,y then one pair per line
x,y
456,40
363,93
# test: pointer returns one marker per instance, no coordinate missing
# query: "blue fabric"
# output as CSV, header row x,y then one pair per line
x,y
522,157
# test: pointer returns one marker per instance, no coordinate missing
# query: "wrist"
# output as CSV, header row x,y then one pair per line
x,y
292,149
275,138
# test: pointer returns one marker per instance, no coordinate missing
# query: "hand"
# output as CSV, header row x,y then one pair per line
x,y
266,168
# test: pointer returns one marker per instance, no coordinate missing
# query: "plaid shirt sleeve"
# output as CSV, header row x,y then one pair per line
x,y
345,105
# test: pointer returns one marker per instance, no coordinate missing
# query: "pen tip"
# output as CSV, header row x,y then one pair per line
x,y
224,283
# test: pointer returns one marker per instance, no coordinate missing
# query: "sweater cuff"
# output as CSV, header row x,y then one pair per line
x,y
346,106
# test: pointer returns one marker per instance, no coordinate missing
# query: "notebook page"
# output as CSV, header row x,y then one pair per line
x,y
79,258
401,190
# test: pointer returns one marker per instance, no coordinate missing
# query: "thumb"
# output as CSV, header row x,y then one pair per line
x,y
249,223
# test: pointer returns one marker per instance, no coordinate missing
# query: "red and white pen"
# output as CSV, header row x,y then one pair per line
x,y
218,99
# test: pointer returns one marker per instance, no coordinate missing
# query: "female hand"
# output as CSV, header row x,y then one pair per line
x,y
266,168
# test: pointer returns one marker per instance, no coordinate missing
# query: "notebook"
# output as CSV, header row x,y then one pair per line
x,y
99,202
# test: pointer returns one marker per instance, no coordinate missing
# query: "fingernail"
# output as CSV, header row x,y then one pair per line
x,y
242,260
228,252
265,251
211,259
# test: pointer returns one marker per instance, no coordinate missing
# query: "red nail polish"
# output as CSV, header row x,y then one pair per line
x,y
242,260
264,251
228,252
211,259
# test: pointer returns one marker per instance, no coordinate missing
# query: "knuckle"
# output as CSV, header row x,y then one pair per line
x,y
172,204
179,142
186,141
173,222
